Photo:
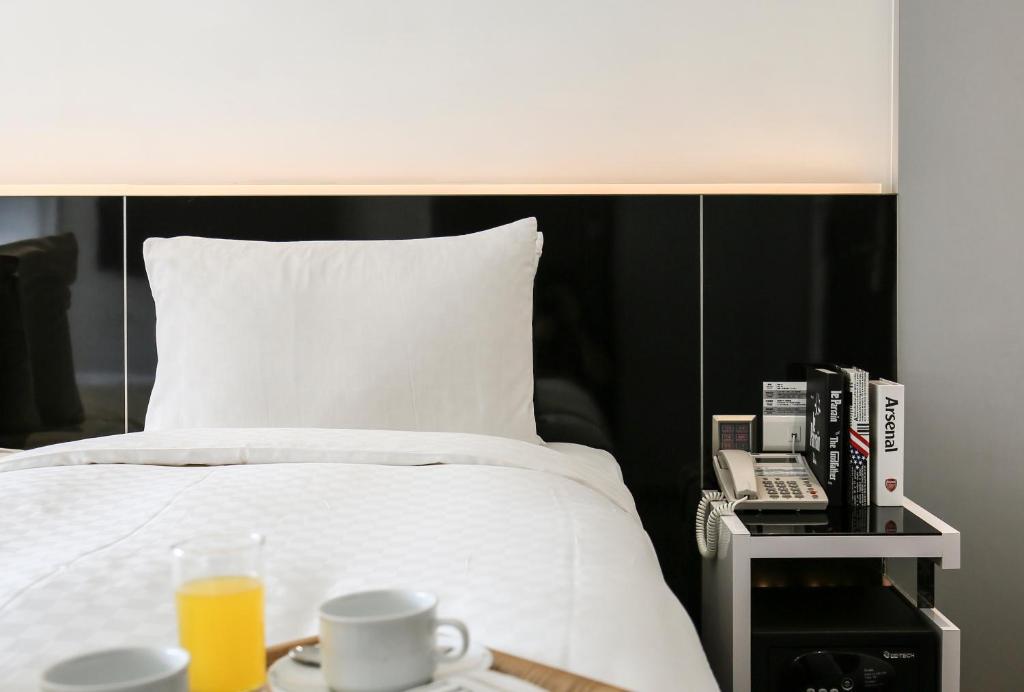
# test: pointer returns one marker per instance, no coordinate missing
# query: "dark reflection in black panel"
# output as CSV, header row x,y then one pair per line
x,y
61,346
790,280
615,325
657,272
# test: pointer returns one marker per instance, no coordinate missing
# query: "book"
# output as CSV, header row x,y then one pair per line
x,y
857,450
886,403
825,428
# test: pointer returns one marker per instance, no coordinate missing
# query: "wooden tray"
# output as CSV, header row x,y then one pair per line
x,y
539,674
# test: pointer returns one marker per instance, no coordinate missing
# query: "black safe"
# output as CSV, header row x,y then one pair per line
x,y
840,639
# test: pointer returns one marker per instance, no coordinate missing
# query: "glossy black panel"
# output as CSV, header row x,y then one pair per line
x,y
838,520
61,319
790,280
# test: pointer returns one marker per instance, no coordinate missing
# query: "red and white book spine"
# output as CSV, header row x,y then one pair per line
x,y
887,416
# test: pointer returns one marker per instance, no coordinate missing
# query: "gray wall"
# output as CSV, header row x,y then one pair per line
x,y
961,214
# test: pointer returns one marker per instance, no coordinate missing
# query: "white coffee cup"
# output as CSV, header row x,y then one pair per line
x,y
377,641
130,669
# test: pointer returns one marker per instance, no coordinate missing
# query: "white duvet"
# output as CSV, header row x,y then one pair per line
x,y
538,548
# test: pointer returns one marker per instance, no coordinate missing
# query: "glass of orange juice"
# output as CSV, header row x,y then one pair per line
x,y
218,582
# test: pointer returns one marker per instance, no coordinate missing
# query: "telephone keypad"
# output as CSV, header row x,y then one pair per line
x,y
786,489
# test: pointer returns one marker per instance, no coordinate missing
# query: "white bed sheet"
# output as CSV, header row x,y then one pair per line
x,y
538,548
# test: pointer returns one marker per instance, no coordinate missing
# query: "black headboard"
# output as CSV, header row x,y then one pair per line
x,y
651,311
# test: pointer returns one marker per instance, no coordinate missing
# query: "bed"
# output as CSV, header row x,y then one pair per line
x,y
537,547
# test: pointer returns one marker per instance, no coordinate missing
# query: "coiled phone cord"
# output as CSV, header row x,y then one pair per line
x,y
706,527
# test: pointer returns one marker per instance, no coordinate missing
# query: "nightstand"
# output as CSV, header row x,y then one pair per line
x,y
853,548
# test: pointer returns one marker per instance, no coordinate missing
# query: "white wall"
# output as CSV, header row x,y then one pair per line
x,y
385,91
961,307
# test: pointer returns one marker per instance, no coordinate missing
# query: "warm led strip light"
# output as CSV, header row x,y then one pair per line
x,y
117,190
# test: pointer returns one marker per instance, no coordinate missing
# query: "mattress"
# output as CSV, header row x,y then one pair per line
x,y
538,548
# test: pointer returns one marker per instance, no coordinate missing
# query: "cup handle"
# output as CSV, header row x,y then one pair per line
x,y
463,636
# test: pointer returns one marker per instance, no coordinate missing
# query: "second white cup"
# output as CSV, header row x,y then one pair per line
x,y
378,641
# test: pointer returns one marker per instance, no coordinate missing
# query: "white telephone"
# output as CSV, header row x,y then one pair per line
x,y
768,481
758,481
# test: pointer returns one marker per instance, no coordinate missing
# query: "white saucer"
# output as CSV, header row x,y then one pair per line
x,y
288,676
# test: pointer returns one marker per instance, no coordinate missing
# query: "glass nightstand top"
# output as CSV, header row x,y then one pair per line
x,y
838,521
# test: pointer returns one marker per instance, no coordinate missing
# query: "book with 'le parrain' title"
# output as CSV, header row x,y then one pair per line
x,y
826,424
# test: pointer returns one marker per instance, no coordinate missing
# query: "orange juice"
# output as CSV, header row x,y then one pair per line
x,y
220,623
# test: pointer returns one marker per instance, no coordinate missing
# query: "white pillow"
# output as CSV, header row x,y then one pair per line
x,y
431,334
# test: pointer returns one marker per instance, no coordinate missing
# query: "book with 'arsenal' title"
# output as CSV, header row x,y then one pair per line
x,y
887,403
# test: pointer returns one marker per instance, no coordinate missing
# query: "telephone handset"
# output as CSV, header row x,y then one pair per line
x,y
761,481
734,469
